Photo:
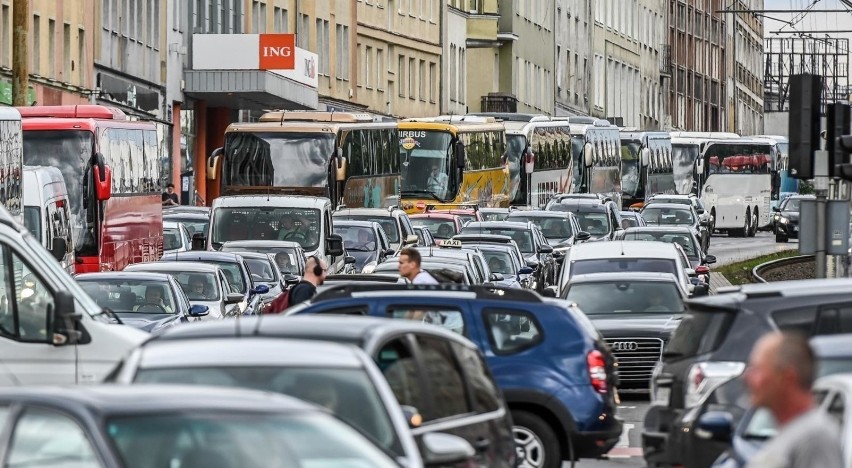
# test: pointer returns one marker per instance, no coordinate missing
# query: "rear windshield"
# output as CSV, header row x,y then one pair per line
x,y
619,265
684,239
626,297
440,228
387,223
698,333
171,239
552,228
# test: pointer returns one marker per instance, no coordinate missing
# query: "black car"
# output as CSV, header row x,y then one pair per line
x,y
560,228
676,214
709,350
365,241
683,236
786,218
533,245
600,218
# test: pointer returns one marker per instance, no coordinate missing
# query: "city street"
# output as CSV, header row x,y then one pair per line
x,y
734,249
628,452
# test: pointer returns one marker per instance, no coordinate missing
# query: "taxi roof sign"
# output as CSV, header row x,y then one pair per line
x,y
452,244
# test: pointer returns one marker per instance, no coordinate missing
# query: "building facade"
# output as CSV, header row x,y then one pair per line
x,y
745,79
574,56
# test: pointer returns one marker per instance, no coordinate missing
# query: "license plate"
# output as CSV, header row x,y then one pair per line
x,y
662,395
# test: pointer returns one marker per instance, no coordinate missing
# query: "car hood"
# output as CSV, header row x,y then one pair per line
x,y
791,215
148,322
561,243
362,258
617,324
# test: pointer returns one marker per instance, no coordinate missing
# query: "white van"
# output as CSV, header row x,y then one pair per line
x,y
47,214
51,331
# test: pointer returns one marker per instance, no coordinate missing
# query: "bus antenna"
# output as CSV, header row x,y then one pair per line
x,y
282,117
331,117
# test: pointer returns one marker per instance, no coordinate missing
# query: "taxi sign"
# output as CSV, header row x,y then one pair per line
x,y
451,243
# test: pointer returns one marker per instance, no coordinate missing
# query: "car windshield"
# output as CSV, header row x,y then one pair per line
x,y
131,296
792,204
357,238
685,240
260,269
438,227
500,262
234,275
629,220
32,221
193,226
667,216
171,239
300,225
620,265
522,237
236,438
553,228
348,393
624,297
387,223
197,286
595,223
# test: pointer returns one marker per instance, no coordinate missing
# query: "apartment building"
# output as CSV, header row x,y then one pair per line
x,y
574,56
745,65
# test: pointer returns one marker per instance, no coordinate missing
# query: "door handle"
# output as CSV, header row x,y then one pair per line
x,y
482,444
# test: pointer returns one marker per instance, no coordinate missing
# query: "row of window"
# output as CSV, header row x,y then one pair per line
x,y
133,156
423,9
371,152
137,20
415,78
484,150
531,84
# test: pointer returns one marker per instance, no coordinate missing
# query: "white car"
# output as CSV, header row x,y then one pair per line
x,y
176,238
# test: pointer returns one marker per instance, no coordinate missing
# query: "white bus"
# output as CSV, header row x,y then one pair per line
x,y
540,161
646,166
595,149
11,161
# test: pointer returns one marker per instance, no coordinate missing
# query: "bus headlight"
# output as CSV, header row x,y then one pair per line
x,y
783,220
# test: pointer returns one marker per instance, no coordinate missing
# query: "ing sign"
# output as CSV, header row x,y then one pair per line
x,y
277,51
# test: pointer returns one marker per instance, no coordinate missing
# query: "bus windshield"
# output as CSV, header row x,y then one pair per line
x,y
426,169
70,151
683,161
630,175
277,159
577,143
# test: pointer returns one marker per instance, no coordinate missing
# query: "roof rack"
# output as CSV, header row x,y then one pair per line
x,y
482,292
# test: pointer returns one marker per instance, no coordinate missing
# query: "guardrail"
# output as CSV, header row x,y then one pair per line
x,y
759,271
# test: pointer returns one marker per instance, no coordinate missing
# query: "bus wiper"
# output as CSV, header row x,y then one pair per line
x,y
420,192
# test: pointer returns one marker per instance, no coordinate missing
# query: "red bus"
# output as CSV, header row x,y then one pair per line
x,y
112,171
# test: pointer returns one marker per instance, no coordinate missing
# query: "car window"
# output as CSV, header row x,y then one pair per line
x,y
698,333
485,395
447,317
234,275
260,269
595,223
511,331
834,319
625,297
4,414
388,225
172,239
48,438
24,300
396,361
799,319
683,239
124,295
445,379
619,265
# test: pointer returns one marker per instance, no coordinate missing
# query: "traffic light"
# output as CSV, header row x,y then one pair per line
x,y
837,125
804,123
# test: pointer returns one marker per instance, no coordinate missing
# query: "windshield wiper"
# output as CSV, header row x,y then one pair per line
x,y
109,313
420,192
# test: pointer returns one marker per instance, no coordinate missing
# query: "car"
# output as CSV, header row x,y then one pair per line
x,y
558,198
467,213
786,218
551,364
339,377
443,268
366,242
503,259
439,372
683,236
372,278
214,291
442,226
264,272
175,238
538,254
194,222
130,297
631,219
675,214
290,262
709,350
690,200
493,214
424,237
134,426
473,257
635,313
600,218
484,241
395,222
187,209
560,228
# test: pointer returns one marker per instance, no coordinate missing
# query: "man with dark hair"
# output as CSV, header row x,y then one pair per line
x,y
170,198
409,267
780,375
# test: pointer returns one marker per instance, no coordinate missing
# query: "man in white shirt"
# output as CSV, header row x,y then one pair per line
x,y
437,182
409,267
780,374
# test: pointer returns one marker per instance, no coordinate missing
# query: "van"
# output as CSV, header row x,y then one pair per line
x,y
47,214
51,331
302,219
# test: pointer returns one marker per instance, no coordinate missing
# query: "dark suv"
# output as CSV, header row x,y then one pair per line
x,y
709,350
553,367
600,218
786,218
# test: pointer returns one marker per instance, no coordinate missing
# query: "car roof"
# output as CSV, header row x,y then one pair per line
x,y
483,238
262,243
663,229
124,275
255,256
171,224
155,398
505,225
836,380
582,205
377,212
730,298
832,346
432,214
203,256
271,201
539,214
177,267
494,210
182,216
677,206
621,276
248,350
356,223
672,196
623,249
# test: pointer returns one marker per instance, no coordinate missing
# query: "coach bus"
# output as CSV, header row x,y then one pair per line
x,y
595,152
11,162
686,147
111,169
646,166
451,161
784,184
345,157
539,160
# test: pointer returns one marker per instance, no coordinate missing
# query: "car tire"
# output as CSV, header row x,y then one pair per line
x,y
780,238
535,441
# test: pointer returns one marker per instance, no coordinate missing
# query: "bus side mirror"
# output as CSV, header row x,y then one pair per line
x,y
646,157
460,155
588,154
529,160
340,168
334,245
103,182
59,248
213,164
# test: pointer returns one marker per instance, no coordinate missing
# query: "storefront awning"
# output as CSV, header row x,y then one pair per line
x,y
249,89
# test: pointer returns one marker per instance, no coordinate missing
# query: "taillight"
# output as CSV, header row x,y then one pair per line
x,y
597,370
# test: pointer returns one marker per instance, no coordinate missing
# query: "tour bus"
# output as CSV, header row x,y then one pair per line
x,y
11,161
686,147
595,145
47,214
784,184
345,157
539,158
646,166
449,161
111,168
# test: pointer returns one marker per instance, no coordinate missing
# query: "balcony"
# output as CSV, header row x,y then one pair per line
x,y
499,102
665,61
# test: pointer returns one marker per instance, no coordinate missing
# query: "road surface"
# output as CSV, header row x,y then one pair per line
x,y
734,249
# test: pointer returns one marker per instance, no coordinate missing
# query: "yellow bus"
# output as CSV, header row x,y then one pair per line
x,y
451,161
345,157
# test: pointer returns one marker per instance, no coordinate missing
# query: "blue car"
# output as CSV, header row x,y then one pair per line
x,y
553,367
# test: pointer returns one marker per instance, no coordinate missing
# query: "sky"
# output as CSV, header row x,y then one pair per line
x,y
813,21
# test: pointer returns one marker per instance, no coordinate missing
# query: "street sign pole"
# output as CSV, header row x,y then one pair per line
x,y
821,190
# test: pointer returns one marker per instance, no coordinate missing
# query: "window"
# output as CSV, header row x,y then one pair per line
x,y
368,55
302,34
361,77
338,59
5,35
484,393
400,75
445,379
397,363
801,320
81,55
42,437
447,317
380,68
66,52
432,81
837,408
282,20
36,44
155,26
511,331
422,80
412,78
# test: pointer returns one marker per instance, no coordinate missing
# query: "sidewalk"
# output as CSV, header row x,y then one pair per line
x,y
718,280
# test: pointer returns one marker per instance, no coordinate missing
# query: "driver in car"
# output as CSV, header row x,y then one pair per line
x,y
290,231
154,301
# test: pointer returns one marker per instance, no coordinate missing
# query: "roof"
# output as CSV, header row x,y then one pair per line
x,y
434,215
356,223
262,243
832,346
632,277
183,216
623,249
835,380
483,238
254,255
202,256
177,267
188,209
378,212
271,201
247,351
9,113
538,214
671,229
494,210
579,205
125,275
148,399
472,226
673,196
671,206
171,224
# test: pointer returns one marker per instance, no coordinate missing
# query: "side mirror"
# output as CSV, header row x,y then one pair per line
x,y
349,260
460,154
588,154
700,289
389,252
702,270
645,157
234,298
776,209
412,416
260,289
717,426
340,169
545,249
582,236
63,321
496,277
213,164
199,310
704,222
525,271
334,245
529,161
709,259
549,292
532,264
441,449
700,211
103,182
411,239
59,248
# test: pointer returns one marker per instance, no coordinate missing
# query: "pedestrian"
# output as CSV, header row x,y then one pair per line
x,y
170,198
779,377
409,267
315,272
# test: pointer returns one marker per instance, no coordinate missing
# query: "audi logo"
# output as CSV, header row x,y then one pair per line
x,y
625,346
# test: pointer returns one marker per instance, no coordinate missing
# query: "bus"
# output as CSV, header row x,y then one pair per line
x,y
784,183
595,151
686,147
345,157
111,167
450,161
539,160
11,162
646,166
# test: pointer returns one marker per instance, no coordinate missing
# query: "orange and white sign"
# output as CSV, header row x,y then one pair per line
x,y
277,52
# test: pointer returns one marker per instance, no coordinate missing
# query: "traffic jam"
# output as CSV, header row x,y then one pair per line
x,y
458,291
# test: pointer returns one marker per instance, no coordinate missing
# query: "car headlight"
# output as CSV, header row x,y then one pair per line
x,y
783,220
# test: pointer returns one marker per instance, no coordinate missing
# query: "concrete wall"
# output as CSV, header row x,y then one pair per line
x,y
574,56
531,58
455,82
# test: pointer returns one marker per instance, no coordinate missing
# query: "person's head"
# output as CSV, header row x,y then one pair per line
x,y
445,231
282,259
153,294
435,170
409,263
316,269
287,222
781,371
170,188
197,284
364,236
494,264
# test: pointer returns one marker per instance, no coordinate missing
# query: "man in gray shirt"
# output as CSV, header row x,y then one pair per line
x,y
779,377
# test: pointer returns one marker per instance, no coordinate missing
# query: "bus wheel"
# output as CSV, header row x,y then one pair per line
x,y
755,218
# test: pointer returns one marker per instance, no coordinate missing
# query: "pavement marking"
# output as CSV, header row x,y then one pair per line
x,y
624,441
626,407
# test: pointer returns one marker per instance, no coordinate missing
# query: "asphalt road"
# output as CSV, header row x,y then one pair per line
x,y
734,249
